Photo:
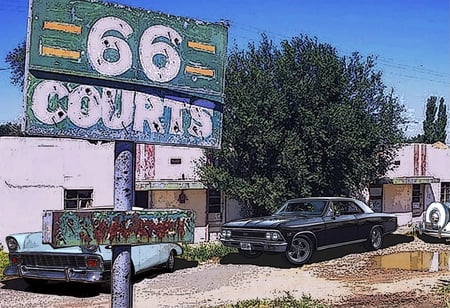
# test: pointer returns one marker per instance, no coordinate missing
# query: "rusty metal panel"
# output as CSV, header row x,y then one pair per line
x,y
70,109
145,162
97,227
112,42
423,159
416,160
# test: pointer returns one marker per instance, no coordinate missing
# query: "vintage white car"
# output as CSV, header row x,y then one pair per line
x,y
36,262
436,221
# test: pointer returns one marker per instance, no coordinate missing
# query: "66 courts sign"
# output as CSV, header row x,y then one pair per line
x,y
113,42
75,110
104,71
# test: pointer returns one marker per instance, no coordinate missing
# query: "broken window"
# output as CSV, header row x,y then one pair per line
x,y
77,199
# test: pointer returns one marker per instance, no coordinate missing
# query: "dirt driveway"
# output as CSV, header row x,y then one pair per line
x,y
345,277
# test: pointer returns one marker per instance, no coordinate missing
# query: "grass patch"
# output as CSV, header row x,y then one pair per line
x,y
444,291
4,261
286,301
211,251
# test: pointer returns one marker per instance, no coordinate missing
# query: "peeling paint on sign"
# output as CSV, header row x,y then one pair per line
x,y
72,228
113,42
70,109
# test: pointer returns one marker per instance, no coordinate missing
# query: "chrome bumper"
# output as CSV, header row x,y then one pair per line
x,y
256,245
426,229
57,274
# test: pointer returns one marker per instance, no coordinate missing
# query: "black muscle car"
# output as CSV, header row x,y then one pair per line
x,y
304,225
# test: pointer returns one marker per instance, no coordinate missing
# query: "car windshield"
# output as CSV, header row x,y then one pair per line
x,y
303,207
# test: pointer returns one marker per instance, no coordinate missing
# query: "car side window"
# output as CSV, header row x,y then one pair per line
x,y
353,208
346,208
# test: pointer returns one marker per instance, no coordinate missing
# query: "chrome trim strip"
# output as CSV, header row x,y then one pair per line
x,y
340,244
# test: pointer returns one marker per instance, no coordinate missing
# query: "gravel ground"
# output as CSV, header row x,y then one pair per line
x,y
345,277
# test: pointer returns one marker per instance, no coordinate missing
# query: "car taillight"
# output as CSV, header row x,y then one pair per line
x,y
93,263
14,260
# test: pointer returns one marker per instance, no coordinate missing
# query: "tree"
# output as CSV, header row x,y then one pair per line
x,y
441,122
16,62
10,129
434,126
301,121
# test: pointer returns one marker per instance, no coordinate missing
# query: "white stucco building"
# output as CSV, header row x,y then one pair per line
x,y
39,174
421,176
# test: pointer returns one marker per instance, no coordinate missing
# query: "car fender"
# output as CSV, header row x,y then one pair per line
x,y
310,234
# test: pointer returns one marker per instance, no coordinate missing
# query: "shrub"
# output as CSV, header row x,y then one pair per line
x,y
202,252
4,261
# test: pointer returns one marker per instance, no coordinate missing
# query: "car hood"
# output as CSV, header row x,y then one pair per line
x,y
32,242
270,221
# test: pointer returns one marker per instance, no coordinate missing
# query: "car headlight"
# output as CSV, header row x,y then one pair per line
x,y
12,244
226,233
272,236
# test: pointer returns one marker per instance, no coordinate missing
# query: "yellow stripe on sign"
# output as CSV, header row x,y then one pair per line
x,y
60,53
202,47
200,71
60,26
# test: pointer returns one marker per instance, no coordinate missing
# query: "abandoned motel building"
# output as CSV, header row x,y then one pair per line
x,y
38,174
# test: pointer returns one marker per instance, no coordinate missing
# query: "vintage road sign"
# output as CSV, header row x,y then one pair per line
x,y
69,109
102,227
109,72
127,45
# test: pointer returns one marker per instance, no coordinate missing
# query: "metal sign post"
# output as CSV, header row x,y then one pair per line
x,y
122,288
104,71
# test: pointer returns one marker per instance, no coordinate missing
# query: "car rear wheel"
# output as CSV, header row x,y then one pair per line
x,y
300,251
375,240
250,253
170,263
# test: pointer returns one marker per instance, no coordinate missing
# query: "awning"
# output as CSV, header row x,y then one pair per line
x,y
409,180
168,185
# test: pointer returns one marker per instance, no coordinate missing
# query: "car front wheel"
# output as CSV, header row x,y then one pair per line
x,y
375,240
300,251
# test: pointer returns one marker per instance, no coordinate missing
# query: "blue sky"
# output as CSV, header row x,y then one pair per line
x,y
411,38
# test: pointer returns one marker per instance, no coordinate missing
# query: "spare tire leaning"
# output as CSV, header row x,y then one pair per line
x,y
437,214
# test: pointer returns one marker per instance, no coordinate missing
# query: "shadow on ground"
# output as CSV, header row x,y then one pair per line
x,y
79,290
280,261
83,290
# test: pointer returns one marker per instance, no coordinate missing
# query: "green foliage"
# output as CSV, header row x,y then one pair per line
x,y
444,292
206,251
434,125
4,261
16,62
300,120
286,301
10,129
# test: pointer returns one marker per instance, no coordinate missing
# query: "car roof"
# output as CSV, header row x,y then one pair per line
x,y
322,198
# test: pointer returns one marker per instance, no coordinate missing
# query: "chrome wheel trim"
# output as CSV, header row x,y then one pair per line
x,y
376,238
171,261
300,250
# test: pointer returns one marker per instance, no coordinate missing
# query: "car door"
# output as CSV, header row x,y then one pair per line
x,y
340,223
145,257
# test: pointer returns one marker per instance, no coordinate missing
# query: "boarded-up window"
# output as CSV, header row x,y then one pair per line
x,y
397,198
